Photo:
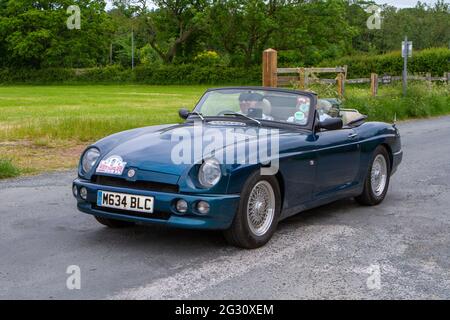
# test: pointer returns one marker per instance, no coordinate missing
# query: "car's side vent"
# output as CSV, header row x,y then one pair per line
x,y
140,185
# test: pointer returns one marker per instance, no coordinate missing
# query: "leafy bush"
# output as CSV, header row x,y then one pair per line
x,y
153,74
207,58
435,60
422,101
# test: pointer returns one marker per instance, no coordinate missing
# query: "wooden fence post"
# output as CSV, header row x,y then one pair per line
x,y
306,78
269,75
301,75
374,84
341,84
428,76
448,78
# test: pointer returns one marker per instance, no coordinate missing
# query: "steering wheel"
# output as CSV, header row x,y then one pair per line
x,y
222,113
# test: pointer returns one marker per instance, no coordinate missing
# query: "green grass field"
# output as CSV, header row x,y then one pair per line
x,y
45,128
85,113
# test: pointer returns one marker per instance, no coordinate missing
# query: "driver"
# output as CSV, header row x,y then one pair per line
x,y
254,105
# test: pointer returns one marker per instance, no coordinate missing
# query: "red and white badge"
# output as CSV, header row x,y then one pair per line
x,y
112,165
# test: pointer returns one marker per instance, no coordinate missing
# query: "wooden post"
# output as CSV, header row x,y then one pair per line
x,y
301,75
428,76
269,76
448,78
374,84
341,84
306,78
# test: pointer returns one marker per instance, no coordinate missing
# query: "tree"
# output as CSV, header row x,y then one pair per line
x,y
173,24
243,27
34,33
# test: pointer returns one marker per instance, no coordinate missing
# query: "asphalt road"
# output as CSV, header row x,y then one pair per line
x,y
400,249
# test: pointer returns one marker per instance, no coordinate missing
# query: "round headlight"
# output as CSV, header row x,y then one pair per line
x,y
90,157
209,173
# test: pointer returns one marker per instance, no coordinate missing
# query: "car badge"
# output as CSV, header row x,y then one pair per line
x,y
131,173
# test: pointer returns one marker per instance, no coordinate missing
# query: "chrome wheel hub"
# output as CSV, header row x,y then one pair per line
x,y
261,208
378,175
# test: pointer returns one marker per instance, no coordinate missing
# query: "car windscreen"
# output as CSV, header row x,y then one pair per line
x,y
258,104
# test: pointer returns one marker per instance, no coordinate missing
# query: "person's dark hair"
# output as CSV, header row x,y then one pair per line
x,y
250,96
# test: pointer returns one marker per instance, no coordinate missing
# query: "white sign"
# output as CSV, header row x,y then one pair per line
x,y
408,49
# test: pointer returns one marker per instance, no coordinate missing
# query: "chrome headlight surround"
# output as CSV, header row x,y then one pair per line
x,y
209,173
89,159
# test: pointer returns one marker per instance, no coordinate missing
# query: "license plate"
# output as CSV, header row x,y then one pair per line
x,y
125,201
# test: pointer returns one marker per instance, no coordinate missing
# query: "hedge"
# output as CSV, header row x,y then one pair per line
x,y
435,60
156,75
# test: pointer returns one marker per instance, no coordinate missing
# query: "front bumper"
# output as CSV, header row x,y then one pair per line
x,y
220,216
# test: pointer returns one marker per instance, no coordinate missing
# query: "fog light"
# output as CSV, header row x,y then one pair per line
x,y
203,207
75,191
83,193
181,206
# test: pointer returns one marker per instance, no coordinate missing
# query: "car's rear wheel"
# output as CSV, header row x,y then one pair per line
x,y
257,216
377,180
116,224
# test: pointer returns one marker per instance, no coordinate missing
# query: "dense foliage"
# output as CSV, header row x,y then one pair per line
x,y
435,61
33,33
206,70
183,74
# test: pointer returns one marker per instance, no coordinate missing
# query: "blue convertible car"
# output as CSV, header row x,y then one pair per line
x,y
243,159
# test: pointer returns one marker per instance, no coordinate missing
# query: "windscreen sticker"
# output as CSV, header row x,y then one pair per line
x,y
112,165
299,116
304,107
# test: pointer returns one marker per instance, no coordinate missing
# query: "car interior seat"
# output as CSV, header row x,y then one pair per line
x,y
352,117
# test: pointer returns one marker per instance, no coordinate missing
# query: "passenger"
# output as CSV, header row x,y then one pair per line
x,y
302,111
323,109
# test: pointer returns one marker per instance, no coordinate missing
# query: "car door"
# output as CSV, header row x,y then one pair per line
x,y
338,161
298,170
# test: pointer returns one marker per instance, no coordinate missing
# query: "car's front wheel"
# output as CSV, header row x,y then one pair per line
x,y
257,215
377,179
111,223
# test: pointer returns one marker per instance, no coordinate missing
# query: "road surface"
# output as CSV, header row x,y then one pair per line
x,y
400,249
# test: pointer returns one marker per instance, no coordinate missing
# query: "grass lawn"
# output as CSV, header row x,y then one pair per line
x,y
45,128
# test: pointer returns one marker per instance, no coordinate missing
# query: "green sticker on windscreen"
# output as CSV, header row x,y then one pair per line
x,y
299,116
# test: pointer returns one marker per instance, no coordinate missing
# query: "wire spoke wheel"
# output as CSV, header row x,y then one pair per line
x,y
261,208
378,175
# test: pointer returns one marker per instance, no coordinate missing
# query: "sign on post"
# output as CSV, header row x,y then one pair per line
x,y
406,52
407,49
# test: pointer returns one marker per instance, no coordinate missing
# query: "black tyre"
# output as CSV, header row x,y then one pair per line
x,y
377,179
257,216
116,224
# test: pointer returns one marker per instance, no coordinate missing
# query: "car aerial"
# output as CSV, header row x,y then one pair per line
x,y
242,160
